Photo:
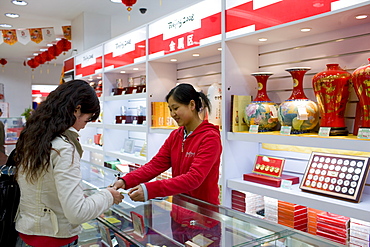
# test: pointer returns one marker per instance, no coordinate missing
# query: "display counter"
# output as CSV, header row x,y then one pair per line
x,y
183,221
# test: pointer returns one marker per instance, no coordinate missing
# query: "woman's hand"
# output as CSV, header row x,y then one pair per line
x,y
137,194
119,184
117,196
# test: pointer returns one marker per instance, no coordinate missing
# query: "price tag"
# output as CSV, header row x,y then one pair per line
x,y
285,130
253,129
363,133
286,184
324,131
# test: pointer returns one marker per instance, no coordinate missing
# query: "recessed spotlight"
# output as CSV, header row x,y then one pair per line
x,y
5,25
306,29
43,49
116,1
19,2
35,54
360,17
11,15
57,39
122,71
29,58
49,45
173,60
219,49
135,69
196,55
262,39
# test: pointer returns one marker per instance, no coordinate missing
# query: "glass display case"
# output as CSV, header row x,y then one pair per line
x,y
182,221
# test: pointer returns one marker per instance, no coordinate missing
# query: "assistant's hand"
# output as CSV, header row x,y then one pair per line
x,y
117,196
119,184
137,194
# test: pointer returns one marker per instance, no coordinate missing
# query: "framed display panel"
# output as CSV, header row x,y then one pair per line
x,y
339,176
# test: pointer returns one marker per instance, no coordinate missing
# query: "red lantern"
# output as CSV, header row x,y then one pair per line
x,y
39,59
55,51
3,62
48,57
129,4
32,63
64,45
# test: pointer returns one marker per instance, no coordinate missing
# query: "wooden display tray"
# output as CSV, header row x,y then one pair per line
x,y
270,181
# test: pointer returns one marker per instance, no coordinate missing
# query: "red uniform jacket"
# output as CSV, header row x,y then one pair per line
x,y
195,163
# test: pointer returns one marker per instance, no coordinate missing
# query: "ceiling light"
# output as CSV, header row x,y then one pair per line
x,y
5,25
57,39
122,71
49,44
11,15
196,55
43,49
35,54
116,1
262,39
219,49
135,69
173,60
29,58
19,2
306,29
360,17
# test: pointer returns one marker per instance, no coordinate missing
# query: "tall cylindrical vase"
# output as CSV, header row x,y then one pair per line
x,y
298,111
361,83
262,111
332,92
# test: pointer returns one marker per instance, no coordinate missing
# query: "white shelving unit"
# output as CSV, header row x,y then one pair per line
x,y
230,58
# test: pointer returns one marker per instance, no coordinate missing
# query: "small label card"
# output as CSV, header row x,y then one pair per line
x,y
253,129
324,131
286,184
285,130
363,133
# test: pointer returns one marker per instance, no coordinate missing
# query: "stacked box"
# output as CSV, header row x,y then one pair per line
x,y
312,220
333,227
359,234
271,209
246,202
292,215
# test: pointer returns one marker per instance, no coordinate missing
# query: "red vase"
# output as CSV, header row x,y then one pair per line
x,y
361,83
332,92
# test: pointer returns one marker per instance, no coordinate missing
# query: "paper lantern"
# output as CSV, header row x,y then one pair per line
x,y
48,57
3,62
32,63
39,59
129,4
55,51
64,45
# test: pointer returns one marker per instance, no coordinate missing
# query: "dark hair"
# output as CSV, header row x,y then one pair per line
x,y
50,119
184,93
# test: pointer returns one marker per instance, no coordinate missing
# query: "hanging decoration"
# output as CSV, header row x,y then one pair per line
x,y
23,36
36,35
33,64
3,62
129,4
64,45
9,36
48,34
67,32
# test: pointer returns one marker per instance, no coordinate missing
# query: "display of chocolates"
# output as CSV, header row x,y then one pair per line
x,y
340,176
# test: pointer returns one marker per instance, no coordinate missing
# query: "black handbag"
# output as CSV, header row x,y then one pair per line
x,y
9,201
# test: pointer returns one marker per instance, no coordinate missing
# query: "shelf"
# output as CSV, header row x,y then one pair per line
x,y
126,97
308,140
94,125
128,157
157,130
92,148
336,206
132,127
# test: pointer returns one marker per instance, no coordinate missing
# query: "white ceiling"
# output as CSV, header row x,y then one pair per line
x,y
58,13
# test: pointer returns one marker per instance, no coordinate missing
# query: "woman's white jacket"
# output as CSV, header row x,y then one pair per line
x,y
55,205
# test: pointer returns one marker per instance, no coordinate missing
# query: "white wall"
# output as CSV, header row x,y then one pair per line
x,y
17,80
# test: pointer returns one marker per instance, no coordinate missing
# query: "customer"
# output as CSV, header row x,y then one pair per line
x,y
52,204
192,151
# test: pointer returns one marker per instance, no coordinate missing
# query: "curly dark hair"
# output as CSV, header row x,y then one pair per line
x,y
50,119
